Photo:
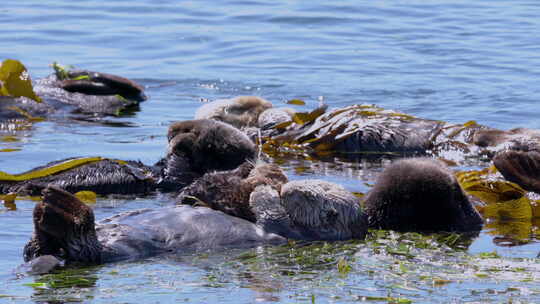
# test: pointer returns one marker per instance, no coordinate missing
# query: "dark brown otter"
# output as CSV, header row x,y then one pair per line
x,y
420,194
77,93
520,167
229,191
63,227
195,147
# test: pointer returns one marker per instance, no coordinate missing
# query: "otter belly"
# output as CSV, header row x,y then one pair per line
x,y
176,229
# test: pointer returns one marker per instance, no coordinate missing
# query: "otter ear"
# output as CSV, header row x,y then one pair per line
x,y
179,127
522,168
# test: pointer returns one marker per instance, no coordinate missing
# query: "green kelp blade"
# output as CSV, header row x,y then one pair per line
x,y
43,172
15,81
304,118
297,102
503,199
62,72
25,113
87,197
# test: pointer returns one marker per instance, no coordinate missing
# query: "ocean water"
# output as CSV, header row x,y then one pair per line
x,y
448,60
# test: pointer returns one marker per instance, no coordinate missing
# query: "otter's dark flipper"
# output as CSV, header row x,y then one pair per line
x,y
520,167
95,83
63,227
420,195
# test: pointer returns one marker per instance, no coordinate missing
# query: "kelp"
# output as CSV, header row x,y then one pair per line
x,y
87,197
15,81
297,102
319,130
502,199
25,113
62,72
43,172
302,118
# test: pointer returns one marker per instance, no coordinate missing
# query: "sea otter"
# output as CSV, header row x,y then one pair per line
x,y
195,147
417,194
520,167
64,228
359,129
262,194
411,195
76,92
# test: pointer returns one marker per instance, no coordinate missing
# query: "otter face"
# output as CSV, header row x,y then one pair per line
x,y
63,227
420,194
266,174
323,210
199,146
209,145
242,111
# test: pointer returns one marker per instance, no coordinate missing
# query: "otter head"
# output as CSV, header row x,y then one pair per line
x,y
242,111
199,146
63,227
420,194
322,210
520,167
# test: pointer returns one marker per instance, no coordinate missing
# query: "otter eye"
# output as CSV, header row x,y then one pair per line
x,y
331,213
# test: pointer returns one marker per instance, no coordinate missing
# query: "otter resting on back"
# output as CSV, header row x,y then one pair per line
x,y
410,195
261,193
77,91
418,194
195,147
64,227
365,129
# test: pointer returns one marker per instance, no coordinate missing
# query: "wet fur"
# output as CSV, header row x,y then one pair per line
x,y
520,167
63,227
420,195
229,191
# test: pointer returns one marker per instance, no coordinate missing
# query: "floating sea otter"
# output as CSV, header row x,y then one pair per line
x,y
75,91
195,147
417,194
64,228
364,129
411,195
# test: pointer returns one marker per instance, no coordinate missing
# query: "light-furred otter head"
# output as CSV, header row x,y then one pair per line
x,y
321,210
63,227
242,111
420,194
199,146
